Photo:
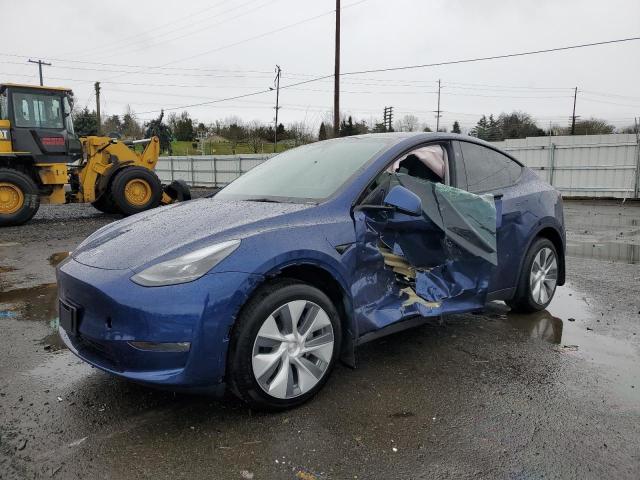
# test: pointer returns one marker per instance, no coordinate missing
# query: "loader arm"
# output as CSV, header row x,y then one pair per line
x,y
103,156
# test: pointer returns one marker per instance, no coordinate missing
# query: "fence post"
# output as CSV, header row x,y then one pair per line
x,y
552,162
636,185
171,167
193,173
215,174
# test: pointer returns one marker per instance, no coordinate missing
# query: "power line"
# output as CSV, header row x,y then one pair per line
x,y
192,31
270,32
451,62
493,57
126,39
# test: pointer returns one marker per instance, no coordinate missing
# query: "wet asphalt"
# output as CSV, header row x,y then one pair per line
x,y
486,395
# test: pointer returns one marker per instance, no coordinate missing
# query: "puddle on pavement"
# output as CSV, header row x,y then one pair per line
x,y
606,235
565,324
57,257
36,304
617,252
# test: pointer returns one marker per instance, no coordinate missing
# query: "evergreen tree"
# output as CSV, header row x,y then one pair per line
x,y
183,129
322,134
85,123
347,128
481,130
456,127
379,128
494,131
159,129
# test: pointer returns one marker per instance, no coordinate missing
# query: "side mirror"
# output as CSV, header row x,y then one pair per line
x,y
404,200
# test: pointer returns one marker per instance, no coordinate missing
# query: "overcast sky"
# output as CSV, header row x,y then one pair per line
x,y
152,55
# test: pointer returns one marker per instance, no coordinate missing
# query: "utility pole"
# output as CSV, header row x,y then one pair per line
x,y
97,87
40,64
573,117
336,80
438,111
277,84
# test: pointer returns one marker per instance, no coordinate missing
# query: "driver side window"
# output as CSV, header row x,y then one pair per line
x,y
429,163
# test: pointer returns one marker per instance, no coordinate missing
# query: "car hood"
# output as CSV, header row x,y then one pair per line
x,y
137,240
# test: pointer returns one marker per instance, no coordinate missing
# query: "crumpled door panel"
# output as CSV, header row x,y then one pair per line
x,y
438,262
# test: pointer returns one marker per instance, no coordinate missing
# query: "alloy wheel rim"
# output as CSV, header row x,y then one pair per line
x,y
137,192
293,349
11,198
543,276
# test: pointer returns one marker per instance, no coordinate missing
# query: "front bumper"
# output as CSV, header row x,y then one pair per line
x,y
113,311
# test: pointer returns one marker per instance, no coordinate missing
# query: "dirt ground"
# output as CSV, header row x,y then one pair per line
x,y
486,395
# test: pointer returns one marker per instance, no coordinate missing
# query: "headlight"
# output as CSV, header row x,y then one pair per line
x,y
186,268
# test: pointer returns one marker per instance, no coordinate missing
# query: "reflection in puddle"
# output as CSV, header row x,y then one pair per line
x,y
567,322
618,252
540,325
603,231
34,304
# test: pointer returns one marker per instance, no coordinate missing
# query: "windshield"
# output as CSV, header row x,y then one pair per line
x,y
34,110
305,174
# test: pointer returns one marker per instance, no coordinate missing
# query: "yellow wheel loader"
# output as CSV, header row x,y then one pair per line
x,y
43,161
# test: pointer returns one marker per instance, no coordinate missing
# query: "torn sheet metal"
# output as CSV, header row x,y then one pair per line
x,y
438,262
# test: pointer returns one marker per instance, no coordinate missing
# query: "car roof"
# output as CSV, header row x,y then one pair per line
x,y
426,137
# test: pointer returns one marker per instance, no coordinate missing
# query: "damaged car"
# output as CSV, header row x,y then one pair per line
x,y
263,287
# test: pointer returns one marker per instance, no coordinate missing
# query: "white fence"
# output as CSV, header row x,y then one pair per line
x,y
578,166
207,170
582,165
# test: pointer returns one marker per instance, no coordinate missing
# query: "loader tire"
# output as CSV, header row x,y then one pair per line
x,y
105,204
178,190
19,198
135,189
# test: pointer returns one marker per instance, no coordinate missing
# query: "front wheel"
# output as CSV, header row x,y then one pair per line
x,y
19,199
284,345
134,190
538,279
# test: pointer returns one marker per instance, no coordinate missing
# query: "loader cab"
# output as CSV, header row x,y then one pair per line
x,y
40,122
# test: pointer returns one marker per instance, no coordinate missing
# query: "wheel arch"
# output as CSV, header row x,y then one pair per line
x,y
551,233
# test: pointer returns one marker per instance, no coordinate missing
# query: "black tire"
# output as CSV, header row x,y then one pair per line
x,y
117,190
20,184
523,301
178,190
105,204
263,303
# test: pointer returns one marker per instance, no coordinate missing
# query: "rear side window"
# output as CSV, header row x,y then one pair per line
x,y
487,169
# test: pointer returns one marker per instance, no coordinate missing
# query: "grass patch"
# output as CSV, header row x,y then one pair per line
x,y
223,148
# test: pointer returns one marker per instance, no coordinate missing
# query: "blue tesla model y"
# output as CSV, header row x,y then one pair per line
x,y
263,287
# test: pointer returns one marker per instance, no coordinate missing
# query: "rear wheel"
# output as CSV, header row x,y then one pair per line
x,y
19,198
134,190
538,279
284,345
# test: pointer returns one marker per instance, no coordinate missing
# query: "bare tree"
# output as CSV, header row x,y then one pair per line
x,y
408,123
255,135
300,133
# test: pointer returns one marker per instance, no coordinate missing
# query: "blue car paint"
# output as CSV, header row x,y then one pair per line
x,y
274,236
